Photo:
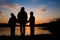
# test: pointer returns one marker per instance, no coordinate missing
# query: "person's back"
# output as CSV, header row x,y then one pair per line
x,y
32,22
32,19
12,20
12,24
22,16
22,19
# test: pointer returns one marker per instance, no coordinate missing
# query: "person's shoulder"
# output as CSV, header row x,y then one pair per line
x,y
19,12
25,11
33,17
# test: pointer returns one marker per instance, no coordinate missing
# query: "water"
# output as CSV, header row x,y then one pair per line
x,y
38,30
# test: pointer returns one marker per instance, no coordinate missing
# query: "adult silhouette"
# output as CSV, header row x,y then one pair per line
x,y
22,19
12,24
32,22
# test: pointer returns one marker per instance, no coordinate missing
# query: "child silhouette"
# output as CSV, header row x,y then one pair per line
x,y
32,22
12,24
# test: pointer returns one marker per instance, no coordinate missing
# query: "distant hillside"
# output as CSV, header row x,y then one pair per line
x,y
3,25
52,23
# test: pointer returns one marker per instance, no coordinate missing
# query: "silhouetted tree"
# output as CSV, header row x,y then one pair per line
x,y
54,26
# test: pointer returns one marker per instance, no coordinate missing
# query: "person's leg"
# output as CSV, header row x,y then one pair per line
x,y
32,30
23,29
12,30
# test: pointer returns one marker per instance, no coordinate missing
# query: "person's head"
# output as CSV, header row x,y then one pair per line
x,y
31,13
22,8
12,14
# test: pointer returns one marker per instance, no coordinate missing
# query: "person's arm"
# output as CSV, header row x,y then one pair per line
x,y
18,15
9,22
26,16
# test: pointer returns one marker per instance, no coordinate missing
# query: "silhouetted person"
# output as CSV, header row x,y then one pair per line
x,y
32,22
12,24
22,18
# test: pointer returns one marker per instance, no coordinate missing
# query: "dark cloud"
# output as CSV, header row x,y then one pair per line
x,y
2,16
43,10
51,3
34,0
1,12
54,19
12,7
2,0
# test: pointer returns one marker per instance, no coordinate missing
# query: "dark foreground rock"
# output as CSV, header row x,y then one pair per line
x,y
36,37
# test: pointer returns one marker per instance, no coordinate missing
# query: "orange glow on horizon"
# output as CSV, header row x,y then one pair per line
x,y
36,21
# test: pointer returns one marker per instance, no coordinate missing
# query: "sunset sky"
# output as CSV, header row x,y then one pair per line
x,y
44,10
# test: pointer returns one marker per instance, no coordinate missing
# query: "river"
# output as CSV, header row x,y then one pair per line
x,y
37,30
